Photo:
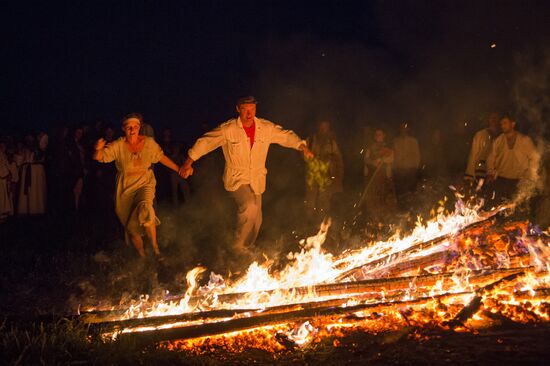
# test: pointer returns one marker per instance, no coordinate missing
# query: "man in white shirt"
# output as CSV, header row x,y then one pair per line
x,y
513,158
245,141
405,164
481,147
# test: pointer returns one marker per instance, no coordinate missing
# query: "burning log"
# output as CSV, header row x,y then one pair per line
x,y
475,304
371,288
149,335
376,285
292,313
412,266
224,315
487,220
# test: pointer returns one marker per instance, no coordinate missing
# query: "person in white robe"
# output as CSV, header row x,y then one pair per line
x,y
32,182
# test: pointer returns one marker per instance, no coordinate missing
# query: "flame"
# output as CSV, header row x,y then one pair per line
x,y
459,256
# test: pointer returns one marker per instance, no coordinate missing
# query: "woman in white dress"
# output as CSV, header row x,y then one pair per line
x,y
133,155
32,183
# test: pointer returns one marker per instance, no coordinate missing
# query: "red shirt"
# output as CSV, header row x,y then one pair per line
x,y
250,132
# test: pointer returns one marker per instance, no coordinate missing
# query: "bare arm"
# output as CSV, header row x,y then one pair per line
x,y
167,162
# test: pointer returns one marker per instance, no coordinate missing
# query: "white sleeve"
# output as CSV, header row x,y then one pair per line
x,y
206,143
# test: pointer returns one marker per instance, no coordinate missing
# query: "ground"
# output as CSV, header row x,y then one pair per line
x,y
51,267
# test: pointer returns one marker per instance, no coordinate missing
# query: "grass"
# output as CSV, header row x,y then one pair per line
x,y
66,342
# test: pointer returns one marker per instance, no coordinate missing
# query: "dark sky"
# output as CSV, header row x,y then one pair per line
x,y
183,63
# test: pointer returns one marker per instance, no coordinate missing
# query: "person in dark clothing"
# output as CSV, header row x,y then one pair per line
x,y
58,172
77,166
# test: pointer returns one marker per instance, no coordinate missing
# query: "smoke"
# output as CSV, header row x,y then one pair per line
x,y
532,101
532,90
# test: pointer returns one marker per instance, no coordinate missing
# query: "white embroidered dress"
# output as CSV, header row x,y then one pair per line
x,y
135,186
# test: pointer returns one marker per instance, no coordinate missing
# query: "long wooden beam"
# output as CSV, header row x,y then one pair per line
x,y
413,248
240,324
343,292
152,336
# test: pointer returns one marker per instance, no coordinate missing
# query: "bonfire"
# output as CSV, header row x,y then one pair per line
x,y
461,271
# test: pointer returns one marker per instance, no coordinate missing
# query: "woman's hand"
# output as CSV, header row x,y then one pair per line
x,y
100,144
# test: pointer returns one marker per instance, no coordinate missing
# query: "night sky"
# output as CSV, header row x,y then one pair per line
x,y
184,63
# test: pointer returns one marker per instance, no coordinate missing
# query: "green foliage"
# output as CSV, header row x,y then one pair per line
x,y
318,173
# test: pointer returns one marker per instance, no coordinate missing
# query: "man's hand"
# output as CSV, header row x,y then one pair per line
x,y
186,169
307,152
100,144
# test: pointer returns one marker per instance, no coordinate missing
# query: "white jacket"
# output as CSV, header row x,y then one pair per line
x,y
519,162
244,165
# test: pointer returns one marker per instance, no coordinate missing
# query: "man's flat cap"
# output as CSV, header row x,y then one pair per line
x,y
249,99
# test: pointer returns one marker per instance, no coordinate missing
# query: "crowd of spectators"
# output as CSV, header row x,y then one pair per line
x,y
54,172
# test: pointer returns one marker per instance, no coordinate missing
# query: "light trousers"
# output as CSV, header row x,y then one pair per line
x,y
249,217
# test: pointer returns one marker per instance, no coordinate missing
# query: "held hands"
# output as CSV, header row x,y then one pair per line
x,y
185,170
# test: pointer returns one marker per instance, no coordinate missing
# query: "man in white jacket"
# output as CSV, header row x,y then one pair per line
x,y
245,141
513,159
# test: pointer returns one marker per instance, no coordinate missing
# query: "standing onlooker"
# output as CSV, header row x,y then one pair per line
x,y
77,155
325,173
105,186
178,185
170,184
60,197
379,193
16,156
147,130
481,147
6,203
406,164
32,185
513,159
435,156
